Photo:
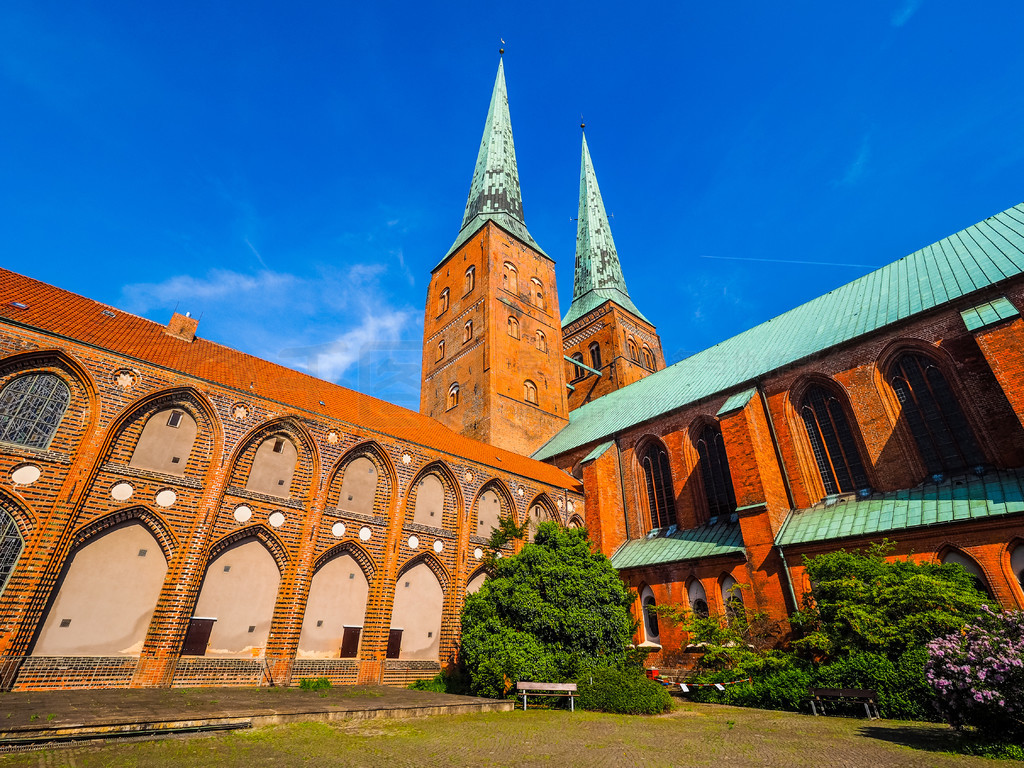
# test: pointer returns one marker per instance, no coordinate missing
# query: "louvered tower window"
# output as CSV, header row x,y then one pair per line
x,y
31,408
943,436
835,450
10,545
714,468
658,482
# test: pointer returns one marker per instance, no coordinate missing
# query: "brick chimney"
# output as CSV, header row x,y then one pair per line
x,y
183,327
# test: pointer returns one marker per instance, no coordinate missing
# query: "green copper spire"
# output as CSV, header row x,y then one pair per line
x,y
494,194
598,272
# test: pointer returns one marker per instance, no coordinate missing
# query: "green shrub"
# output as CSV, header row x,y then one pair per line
x,y
902,691
314,683
622,692
444,682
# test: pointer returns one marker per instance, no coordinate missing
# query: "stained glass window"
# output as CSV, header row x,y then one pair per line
x,y
10,545
658,479
940,429
714,468
835,450
31,408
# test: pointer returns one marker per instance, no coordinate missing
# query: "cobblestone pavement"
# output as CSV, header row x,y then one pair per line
x,y
692,735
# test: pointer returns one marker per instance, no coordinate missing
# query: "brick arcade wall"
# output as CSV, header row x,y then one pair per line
x,y
112,397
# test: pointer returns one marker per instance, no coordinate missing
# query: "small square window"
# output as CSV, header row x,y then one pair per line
x,y
351,575
252,627
175,459
65,622
407,584
142,553
174,420
431,514
320,622
430,634
279,445
227,568
280,482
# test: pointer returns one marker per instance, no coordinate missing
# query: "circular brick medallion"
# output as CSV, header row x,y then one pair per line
x,y
276,519
122,492
439,546
365,533
166,498
338,529
243,513
414,542
25,474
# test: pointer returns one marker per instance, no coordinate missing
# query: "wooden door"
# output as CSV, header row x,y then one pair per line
x,y
350,642
197,637
394,643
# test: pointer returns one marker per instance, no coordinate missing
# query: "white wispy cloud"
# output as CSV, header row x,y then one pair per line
x,y
858,167
340,324
902,14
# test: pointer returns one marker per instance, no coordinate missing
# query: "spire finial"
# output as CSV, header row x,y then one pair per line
x,y
501,50
583,125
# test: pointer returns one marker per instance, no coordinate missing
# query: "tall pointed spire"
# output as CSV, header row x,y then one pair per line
x,y
598,272
494,194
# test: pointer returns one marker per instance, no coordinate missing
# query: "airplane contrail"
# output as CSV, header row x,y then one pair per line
x,y
789,261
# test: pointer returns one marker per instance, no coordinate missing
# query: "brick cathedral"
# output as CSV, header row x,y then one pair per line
x,y
177,513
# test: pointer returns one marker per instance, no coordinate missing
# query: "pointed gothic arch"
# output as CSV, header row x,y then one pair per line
x,y
655,485
453,498
355,551
540,510
952,554
150,520
482,516
261,533
435,565
386,480
307,455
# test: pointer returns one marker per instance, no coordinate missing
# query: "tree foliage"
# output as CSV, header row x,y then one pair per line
x,y
546,614
865,624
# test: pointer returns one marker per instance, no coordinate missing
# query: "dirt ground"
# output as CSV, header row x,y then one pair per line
x,y
691,735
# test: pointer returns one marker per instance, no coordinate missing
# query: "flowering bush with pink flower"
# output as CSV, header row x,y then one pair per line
x,y
978,675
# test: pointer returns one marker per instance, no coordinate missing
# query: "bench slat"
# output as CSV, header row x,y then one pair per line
x,y
546,686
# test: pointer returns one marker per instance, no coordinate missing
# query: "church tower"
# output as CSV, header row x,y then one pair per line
x,y
492,352
603,330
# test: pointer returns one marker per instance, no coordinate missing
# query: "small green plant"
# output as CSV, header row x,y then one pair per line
x,y
314,683
50,717
33,718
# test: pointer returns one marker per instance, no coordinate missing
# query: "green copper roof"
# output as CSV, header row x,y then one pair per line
x,y
494,194
989,313
598,272
737,401
960,498
975,258
598,451
696,543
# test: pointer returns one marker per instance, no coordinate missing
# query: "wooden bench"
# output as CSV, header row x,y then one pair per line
x,y
548,689
865,696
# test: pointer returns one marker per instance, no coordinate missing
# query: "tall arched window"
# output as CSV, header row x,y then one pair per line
x,y
595,356
453,396
10,545
440,350
652,632
698,599
513,328
442,301
953,556
510,278
467,332
835,450
576,372
1016,564
648,357
31,408
538,292
631,347
714,468
943,436
530,392
542,342
658,482
470,281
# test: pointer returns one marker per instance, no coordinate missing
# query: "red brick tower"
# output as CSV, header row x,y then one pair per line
x,y
492,352
613,344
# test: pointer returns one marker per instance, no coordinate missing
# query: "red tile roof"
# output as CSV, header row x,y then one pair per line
x,y
66,314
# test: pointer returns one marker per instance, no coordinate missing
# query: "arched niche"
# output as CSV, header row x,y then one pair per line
x,y
430,497
335,610
698,598
166,442
238,596
273,467
107,596
488,513
732,595
11,542
956,557
476,582
1017,562
359,486
648,604
540,512
416,617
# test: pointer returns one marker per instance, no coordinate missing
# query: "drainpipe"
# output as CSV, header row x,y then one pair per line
x,y
788,578
622,486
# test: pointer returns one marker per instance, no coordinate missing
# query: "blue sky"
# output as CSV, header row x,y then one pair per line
x,y
293,171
